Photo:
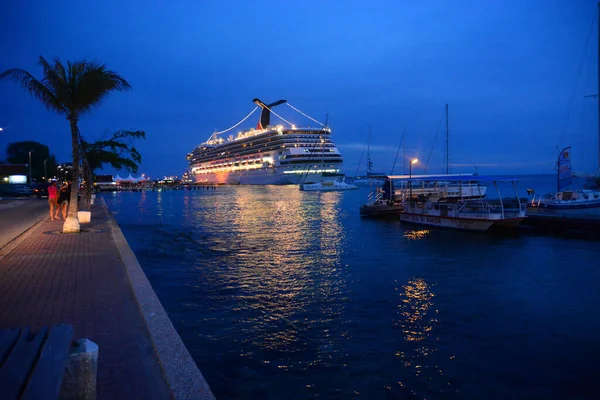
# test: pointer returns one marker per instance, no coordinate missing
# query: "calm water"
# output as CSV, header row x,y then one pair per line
x,y
282,294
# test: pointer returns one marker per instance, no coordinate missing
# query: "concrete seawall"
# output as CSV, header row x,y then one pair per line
x,y
181,373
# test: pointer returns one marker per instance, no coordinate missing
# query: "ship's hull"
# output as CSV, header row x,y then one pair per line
x,y
263,176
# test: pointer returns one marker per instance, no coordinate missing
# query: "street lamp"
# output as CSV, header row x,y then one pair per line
x,y
58,169
30,151
413,161
45,172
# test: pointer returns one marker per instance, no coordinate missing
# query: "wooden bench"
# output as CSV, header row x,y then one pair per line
x,y
32,365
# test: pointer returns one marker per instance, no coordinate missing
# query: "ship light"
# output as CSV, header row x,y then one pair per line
x,y
293,126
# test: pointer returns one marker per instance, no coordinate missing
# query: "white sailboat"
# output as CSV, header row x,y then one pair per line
x,y
328,185
371,178
569,207
329,182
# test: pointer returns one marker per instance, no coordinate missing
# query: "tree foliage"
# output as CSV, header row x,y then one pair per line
x,y
18,153
117,151
72,90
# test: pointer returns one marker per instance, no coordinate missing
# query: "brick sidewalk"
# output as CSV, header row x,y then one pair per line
x,y
79,279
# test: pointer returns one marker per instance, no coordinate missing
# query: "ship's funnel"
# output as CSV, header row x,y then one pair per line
x,y
265,115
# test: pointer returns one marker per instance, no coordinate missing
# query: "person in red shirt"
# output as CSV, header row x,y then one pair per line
x,y
53,198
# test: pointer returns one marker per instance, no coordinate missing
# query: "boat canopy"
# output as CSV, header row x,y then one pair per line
x,y
454,178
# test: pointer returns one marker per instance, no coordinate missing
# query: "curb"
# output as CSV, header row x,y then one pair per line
x,y
10,246
180,371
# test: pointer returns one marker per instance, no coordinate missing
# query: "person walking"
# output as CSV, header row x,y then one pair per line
x,y
64,195
53,198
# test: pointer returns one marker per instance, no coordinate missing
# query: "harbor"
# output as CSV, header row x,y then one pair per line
x,y
209,200
284,291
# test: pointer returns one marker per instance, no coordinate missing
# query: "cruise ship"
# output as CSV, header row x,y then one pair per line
x,y
267,155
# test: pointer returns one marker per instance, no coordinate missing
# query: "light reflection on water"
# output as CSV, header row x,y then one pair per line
x,y
418,321
279,293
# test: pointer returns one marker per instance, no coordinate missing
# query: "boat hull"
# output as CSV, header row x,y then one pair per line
x,y
579,218
380,210
467,224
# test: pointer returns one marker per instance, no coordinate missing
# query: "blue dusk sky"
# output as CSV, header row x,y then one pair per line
x,y
513,72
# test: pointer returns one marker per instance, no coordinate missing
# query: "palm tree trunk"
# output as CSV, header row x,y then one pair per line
x,y
71,224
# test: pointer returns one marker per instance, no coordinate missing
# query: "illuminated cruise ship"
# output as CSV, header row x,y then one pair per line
x,y
267,155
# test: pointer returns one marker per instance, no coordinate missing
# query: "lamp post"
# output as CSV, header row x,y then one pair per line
x,y
45,171
58,169
413,161
30,151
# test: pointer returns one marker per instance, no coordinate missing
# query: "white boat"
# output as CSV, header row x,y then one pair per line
x,y
577,208
466,214
327,185
267,155
371,181
569,207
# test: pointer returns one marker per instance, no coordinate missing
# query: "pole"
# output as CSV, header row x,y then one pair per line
x,y
45,171
30,166
598,98
410,180
447,143
404,163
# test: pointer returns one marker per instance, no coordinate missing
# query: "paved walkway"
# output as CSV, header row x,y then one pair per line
x,y
50,277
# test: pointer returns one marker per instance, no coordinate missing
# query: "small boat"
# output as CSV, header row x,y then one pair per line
x,y
381,204
327,185
476,214
566,209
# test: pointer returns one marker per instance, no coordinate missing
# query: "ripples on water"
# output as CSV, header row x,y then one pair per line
x,y
279,293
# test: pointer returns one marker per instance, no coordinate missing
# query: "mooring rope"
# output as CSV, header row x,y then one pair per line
x,y
307,116
280,117
245,118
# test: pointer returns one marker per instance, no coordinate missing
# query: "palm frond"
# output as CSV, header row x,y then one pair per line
x,y
91,83
36,88
52,79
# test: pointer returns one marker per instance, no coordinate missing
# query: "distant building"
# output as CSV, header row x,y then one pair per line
x,y
13,173
105,182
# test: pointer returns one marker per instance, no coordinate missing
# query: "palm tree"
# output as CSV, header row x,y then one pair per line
x,y
73,90
116,151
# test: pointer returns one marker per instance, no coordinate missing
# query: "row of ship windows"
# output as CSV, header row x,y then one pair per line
x,y
205,170
206,157
298,143
300,158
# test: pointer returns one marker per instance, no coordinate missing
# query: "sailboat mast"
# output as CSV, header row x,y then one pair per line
x,y
369,152
447,143
404,163
323,145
